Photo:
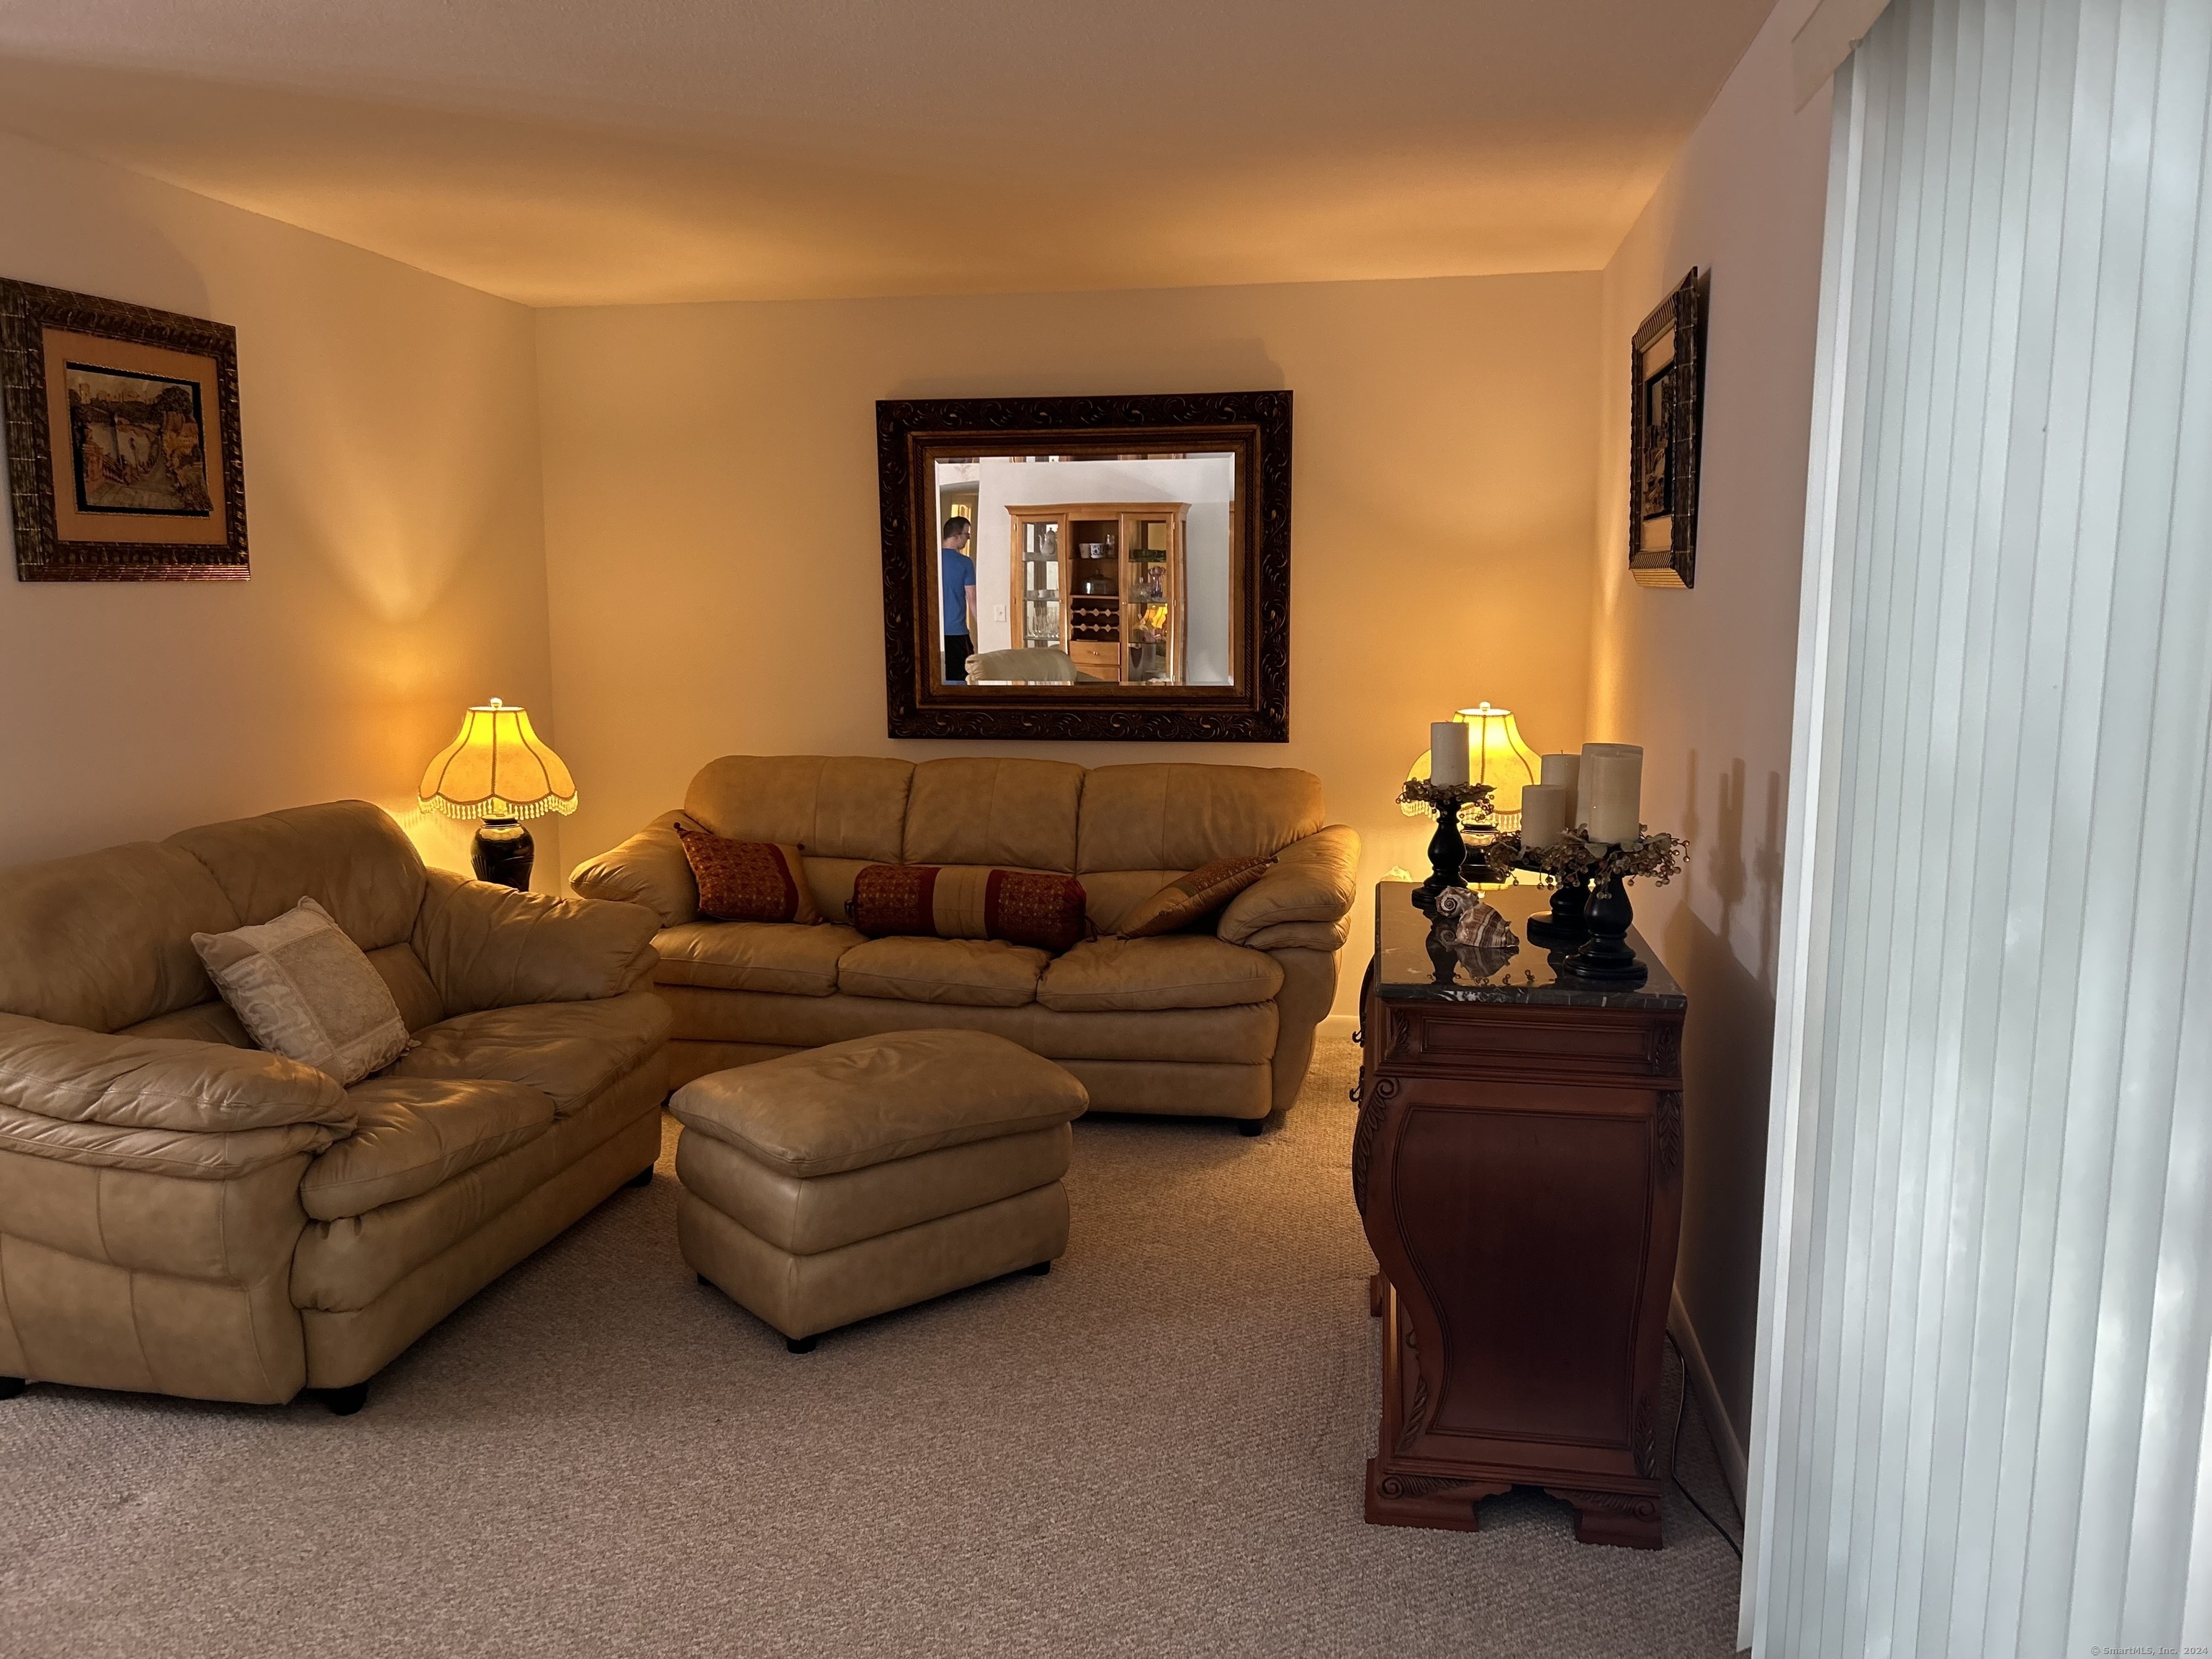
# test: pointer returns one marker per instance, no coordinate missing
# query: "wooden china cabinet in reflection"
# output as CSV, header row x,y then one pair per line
x,y
1104,583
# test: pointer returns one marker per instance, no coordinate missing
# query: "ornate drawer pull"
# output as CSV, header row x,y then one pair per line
x,y
1353,1094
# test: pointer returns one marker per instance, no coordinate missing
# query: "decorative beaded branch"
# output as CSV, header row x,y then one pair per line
x,y
1443,798
1573,857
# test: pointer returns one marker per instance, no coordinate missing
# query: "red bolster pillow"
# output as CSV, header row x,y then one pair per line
x,y
957,900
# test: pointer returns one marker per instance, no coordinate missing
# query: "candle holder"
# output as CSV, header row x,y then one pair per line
x,y
1447,848
1564,926
1604,957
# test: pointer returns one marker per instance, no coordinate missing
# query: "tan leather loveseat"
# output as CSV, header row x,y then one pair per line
x,y
1213,1024
183,1214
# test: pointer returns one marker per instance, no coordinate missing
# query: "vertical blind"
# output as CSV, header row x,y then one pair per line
x,y
1986,1321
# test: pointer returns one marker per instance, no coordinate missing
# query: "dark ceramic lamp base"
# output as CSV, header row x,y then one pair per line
x,y
503,852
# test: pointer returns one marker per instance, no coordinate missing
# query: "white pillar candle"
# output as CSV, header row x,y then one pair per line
x,y
1566,770
1447,752
1543,814
1612,789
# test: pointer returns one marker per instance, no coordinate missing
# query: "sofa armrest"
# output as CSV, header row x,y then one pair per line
x,y
1311,880
68,1075
648,869
487,947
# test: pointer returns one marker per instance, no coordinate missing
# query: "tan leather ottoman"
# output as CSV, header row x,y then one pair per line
x,y
827,1186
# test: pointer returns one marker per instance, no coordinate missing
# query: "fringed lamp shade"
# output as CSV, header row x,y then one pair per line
x,y
498,768
1496,756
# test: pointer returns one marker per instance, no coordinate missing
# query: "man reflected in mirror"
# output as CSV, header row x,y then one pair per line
x,y
956,574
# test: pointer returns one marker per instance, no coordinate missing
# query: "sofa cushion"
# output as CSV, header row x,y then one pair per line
x,y
754,956
845,807
1176,970
982,973
347,855
853,1105
413,1134
977,810
306,992
105,940
569,1050
1178,816
1239,1034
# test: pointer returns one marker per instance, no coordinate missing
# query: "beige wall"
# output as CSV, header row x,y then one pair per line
x,y
395,518
1704,679
715,564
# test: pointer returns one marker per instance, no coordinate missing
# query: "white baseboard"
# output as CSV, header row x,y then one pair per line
x,y
1733,1464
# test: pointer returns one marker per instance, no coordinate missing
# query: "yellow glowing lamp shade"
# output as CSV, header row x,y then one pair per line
x,y
1496,756
498,768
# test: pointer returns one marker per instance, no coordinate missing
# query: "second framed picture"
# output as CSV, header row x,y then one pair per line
x,y
1666,392
122,436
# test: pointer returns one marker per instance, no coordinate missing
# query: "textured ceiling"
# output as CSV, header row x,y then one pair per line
x,y
628,151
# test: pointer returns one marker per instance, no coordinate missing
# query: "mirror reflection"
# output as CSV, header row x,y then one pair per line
x,y
1061,570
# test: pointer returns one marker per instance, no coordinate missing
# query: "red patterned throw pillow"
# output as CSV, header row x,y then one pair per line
x,y
748,880
963,902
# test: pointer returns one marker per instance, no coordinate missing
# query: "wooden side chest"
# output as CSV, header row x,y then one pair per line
x,y
1518,1168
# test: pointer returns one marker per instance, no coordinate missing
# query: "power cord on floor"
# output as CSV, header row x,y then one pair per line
x,y
1674,1449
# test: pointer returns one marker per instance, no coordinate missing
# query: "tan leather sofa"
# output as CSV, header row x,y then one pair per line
x,y
183,1214
1214,1023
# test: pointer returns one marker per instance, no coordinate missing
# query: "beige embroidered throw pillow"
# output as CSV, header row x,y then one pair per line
x,y
304,990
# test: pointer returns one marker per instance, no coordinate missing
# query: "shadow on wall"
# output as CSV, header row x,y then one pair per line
x,y
1727,1064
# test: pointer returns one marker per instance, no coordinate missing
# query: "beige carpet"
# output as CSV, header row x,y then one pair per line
x,y
1156,1450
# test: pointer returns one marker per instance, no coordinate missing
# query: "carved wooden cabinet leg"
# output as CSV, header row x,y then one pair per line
x,y
1613,1517
1374,1288
1448,1501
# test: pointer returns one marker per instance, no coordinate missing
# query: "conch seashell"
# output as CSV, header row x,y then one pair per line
x,y
1481,928
1481,965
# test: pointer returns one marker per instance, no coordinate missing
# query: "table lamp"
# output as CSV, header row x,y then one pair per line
x,y
501,771
1496,756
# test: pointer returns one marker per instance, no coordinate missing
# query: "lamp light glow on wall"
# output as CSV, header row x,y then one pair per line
x,y
501,771
1496,756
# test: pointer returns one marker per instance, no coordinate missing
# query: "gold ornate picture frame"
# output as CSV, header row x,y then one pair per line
x,y
121,425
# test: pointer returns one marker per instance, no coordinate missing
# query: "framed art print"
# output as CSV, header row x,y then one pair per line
x,y
1666,392
122,441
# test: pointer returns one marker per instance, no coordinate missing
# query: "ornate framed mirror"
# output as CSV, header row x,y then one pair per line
x,y
1095,568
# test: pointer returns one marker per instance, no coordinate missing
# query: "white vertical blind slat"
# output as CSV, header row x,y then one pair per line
x,y
1979,1425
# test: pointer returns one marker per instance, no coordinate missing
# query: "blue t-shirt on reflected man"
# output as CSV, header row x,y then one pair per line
x,y
958,571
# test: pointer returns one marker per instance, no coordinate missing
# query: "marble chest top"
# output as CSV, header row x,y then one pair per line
x,y
1410,967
